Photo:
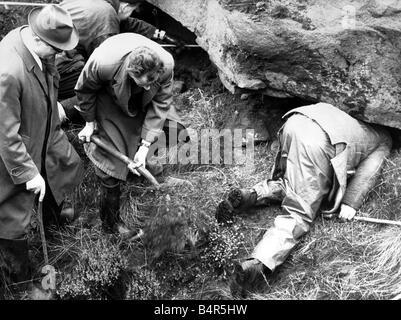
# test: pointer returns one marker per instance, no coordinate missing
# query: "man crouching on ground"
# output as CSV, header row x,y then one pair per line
x,y
320,147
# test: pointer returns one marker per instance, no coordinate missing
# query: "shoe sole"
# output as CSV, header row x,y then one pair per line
x,y
224,212
235,198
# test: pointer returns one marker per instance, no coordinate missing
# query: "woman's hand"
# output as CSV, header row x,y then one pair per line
x,y
85,134
139,159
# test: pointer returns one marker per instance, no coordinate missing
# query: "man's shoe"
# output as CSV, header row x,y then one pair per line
x,y
67,212
250,276
242,199
224,212
237,201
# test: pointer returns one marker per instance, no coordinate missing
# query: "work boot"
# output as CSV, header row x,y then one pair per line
x,y
110,212
237,201
67,211
250,276
15,272
240,200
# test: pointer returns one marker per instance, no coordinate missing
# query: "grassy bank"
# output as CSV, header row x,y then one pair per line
x,y
186,255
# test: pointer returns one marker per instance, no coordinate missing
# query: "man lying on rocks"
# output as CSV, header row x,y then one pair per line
x,y
327,162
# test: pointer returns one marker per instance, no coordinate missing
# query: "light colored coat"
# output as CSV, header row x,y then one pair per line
x,y
96,20
104,92
326,158
24,103
360,149
93,19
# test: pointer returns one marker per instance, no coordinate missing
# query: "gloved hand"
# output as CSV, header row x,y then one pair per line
x,y
37,185
61,112
139,159
85,134
346,212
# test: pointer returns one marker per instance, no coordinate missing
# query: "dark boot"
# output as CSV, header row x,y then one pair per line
x,y
240,200
110,211
15,272
68,213
250,276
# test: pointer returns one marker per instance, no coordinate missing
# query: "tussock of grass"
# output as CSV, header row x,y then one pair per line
x,y
98,264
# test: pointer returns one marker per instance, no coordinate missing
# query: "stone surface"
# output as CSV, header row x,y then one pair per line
x,y
345,52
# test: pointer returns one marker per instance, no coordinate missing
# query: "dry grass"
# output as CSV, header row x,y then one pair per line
x,y
186,255
353,260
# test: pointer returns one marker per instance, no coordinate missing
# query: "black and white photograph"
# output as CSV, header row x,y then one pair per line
x,y
203,156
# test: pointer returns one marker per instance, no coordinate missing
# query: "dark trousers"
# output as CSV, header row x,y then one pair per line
x,y
15,270
15,266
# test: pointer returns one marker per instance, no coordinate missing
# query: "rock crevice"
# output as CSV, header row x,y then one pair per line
x,y
346,53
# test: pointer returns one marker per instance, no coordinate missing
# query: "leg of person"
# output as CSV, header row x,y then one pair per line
x,y
109,210
306,152
51,212
240,200
15,215
15,271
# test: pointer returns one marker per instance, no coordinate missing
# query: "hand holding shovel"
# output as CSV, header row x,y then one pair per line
x,y
131,165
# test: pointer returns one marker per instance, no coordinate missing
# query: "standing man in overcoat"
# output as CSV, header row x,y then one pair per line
x,y
36,158
125,89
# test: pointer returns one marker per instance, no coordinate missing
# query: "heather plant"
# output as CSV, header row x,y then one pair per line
x,y
98,268
224,246
144,285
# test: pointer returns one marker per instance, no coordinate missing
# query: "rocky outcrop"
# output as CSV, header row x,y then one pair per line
x,y
344,52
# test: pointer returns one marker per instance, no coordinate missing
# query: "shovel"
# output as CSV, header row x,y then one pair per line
x,y
49,280
96,140
143,171
367,219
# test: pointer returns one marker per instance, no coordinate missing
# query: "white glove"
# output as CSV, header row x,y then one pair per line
x,y
346,212
139,159
37,184
125,10
86,133
61,112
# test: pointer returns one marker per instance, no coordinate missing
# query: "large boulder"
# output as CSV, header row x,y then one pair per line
x,y
344,52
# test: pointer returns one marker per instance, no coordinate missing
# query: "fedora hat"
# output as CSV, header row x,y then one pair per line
x,y
54,25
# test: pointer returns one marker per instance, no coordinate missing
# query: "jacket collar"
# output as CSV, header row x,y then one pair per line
x,y
122,84
122,88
